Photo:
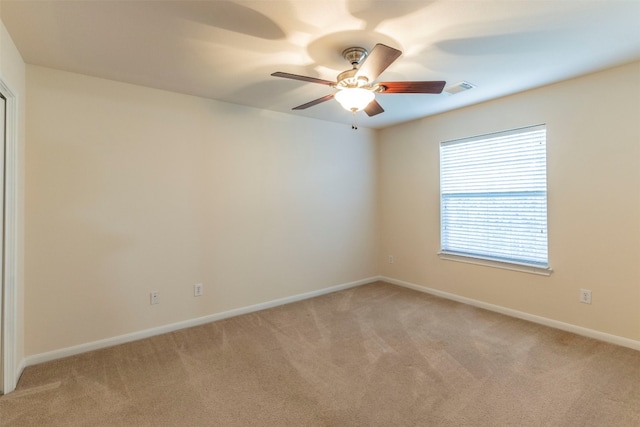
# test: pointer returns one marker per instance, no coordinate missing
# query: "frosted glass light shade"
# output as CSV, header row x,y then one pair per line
x,y
354,99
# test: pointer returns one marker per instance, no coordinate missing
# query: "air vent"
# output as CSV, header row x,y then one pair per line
x,y
458,87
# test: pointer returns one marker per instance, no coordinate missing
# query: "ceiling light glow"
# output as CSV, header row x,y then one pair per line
x,y
354,99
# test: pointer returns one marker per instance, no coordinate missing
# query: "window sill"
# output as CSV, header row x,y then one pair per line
x,y
524,268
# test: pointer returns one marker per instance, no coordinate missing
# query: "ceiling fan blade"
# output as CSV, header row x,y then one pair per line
x,y
413,87
373,108
314,102
303,78
379,59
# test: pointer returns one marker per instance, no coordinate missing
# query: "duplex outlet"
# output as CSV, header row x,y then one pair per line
x,y
585,296
197,290
390,259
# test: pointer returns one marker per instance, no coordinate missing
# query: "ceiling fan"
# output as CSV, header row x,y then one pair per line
x,y
356,87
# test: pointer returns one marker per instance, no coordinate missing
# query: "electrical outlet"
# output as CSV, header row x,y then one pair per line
x,y
390,259
155,298
197,290
585,296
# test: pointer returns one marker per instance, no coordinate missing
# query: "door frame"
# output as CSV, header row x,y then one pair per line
x,y
8,285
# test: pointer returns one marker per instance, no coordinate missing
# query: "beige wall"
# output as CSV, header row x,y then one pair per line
x,y
593,150
12,72
132,190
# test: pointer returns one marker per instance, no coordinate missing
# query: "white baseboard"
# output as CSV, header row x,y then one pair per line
x,y
18,373
579,330
134,336
121,339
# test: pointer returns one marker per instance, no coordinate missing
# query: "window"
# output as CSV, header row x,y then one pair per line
x,y
493,191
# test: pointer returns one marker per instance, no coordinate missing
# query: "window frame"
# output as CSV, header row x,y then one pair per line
x,y
487,259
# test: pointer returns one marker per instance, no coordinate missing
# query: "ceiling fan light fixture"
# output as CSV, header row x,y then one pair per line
x,y
356,87
354,99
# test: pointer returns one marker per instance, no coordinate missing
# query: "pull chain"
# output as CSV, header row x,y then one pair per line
x,y
354,125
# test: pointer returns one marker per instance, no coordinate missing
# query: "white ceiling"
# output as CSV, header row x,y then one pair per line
x,y
226,50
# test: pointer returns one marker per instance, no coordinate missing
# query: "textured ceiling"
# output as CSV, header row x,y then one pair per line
x,y
226,50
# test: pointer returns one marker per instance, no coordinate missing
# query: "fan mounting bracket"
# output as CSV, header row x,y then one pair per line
x,y
355,55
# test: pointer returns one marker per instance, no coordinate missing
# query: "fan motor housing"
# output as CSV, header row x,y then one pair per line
x,y
348,79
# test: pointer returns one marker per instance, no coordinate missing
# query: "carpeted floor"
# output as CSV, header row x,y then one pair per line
x,y
375,355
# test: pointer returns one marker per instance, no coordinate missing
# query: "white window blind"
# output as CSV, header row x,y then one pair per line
x,y
494,196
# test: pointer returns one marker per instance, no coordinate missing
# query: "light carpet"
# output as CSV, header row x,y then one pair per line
x,y
375,355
